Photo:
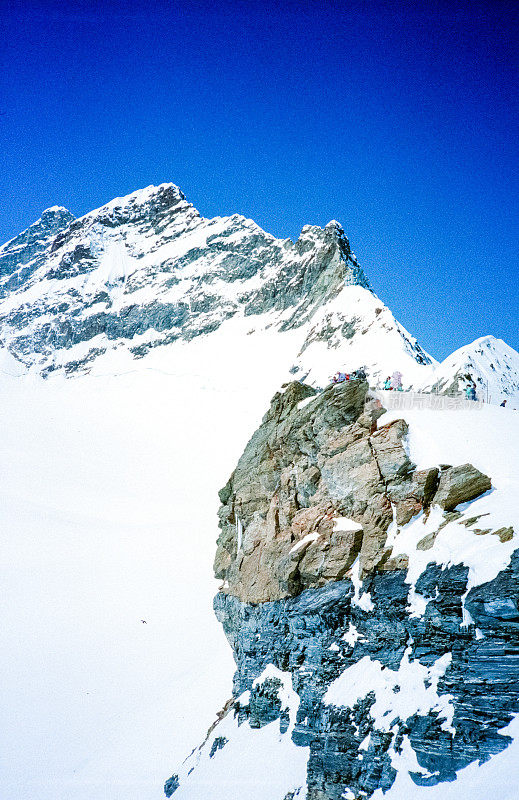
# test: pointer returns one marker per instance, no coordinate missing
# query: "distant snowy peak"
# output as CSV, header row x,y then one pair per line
x,y
155,204
488,362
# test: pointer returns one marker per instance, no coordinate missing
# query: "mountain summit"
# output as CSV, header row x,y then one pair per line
x,y
488,362
147,270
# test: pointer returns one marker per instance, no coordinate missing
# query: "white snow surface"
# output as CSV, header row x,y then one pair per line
x,y
352,635
310,537
257,764
399,694
346,524
360,598
111,660
109,505
112,663
379,343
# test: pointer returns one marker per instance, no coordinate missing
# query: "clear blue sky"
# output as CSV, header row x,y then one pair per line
x,y
398,119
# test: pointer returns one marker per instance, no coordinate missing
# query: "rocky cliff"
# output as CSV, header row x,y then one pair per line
x,y
318,486
362,648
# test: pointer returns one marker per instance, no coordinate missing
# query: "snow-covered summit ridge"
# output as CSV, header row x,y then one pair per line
x,y
151,199
56,210
147,270
30,247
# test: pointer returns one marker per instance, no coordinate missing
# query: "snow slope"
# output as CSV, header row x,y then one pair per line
x,y
356,329
108,504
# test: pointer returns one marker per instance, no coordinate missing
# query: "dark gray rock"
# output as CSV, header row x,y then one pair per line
x,y
171,785
33,244
296,635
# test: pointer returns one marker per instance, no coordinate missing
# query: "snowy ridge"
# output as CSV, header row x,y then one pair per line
x,y
146,270
356,329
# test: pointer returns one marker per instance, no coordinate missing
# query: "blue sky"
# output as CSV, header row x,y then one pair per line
x,y
398,119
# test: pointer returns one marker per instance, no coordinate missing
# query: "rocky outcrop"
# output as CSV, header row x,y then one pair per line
x,y
318,486
459,485
322,637
21,256
386,668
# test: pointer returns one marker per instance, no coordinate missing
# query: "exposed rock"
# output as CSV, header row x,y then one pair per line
x,y
428,541
448,517
350,747
392,459
396,562
414,495
316,487
171,785
218,744
505,534
459,485
472,520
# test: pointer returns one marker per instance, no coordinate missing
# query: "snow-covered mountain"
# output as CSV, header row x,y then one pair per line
x,y
177,331
488,362
145,271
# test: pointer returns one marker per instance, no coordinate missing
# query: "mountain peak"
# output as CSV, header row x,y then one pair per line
x,y
31,244
56,211
150,194
334,225
488,362
333,238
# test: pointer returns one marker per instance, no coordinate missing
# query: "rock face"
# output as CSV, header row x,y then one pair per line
x,y
386,668
318,486
440,676
20,257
